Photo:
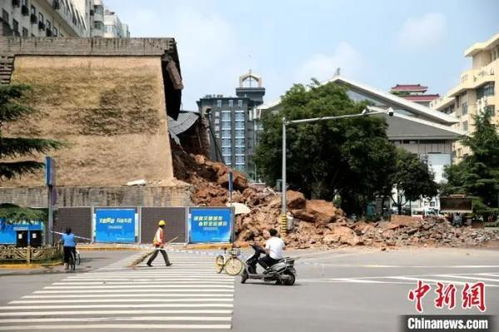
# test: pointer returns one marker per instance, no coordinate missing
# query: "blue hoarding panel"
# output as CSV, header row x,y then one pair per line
x,y
9,231
115,225
210,225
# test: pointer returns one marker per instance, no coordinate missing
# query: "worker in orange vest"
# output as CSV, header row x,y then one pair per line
x,y
159,243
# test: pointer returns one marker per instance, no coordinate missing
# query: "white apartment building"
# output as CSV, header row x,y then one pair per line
x,y
42,18
113,27
59,18
476,91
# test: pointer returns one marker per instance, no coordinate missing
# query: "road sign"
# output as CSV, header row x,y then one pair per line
x,y
115,225
210,225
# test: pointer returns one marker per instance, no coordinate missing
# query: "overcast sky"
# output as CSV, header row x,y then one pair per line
x,y
377,42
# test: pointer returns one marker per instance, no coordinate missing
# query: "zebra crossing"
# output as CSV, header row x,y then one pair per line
x,y
490,279
186,296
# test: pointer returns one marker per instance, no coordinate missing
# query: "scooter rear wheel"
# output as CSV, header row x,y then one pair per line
x,y
290,279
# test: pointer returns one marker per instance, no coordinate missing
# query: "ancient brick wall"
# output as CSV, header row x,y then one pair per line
x,y
109,111
100,196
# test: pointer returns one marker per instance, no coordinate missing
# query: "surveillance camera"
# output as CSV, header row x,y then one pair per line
x,y
390,111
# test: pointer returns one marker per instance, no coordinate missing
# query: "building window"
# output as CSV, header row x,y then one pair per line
x,y
239,133
239,151
231,103
491,109
464,108
239,142
226,133
25,3
41,19
217,121
240,125
56,32
15,27
226,142
226,150
239,116
219,102
239,160
25,32
240,103
465,126
226,116
5,16
485,91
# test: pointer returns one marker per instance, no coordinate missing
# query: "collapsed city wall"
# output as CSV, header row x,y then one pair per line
x,y
108,102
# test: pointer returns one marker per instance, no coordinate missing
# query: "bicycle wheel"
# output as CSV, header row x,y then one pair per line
x,y
78,258
234,266
219,263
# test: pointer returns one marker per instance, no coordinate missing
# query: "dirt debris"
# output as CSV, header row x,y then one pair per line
x,y
317,223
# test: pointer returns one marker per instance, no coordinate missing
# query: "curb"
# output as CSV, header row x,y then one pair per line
x,y
28,266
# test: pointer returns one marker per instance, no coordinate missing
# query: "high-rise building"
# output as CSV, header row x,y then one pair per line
x,y
56,18
475,92
113,27
233,125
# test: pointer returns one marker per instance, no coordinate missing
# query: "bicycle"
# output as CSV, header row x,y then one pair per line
x,y
74,259
230,262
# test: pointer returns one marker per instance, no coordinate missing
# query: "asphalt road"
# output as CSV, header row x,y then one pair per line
x,y
341,290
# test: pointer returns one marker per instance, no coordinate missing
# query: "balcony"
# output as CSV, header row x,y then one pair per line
x,y
33,19
473,78
25,10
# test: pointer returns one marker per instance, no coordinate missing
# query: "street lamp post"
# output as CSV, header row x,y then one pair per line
x,y
369,110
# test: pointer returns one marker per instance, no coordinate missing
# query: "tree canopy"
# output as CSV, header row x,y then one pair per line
x,y
12,149
348,157
477,174
412,179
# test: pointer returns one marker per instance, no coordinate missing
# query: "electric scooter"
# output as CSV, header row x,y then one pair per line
x,y
283,272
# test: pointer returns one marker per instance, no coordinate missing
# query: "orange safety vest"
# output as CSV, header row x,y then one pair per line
x,y
159,237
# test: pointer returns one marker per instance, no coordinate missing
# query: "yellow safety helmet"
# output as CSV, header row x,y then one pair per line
x,y
161,223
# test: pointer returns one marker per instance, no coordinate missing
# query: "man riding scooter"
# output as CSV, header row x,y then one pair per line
x,y
274,250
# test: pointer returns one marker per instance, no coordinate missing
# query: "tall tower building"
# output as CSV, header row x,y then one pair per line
x,y
234,127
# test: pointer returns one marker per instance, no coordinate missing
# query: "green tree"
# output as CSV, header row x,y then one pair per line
x,y
349,157
477,175
412,179
12,149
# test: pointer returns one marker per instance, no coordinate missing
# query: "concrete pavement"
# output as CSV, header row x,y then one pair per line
x,y
341,290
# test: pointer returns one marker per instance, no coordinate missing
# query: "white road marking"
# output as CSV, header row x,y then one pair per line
x,y
111,319
435,280
112,312
145,295
121,300
189,295
139,286
153,282
467,277
116,326
94,306
161,291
